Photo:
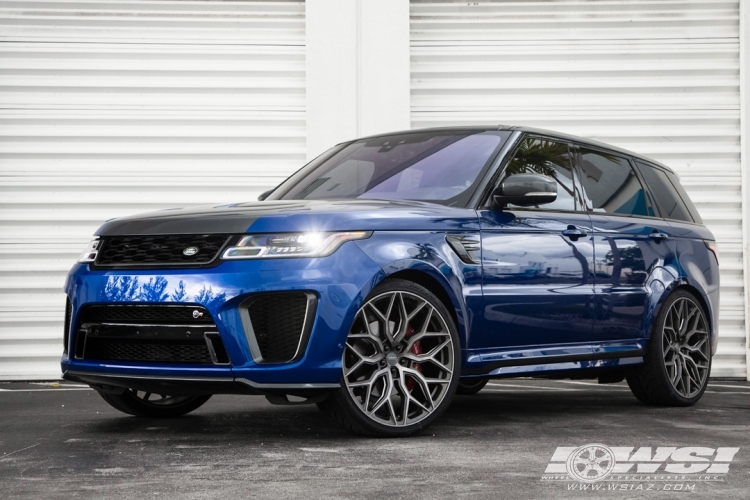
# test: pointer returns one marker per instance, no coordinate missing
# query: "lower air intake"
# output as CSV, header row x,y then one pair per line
x,y
66,326
155,333
117,350
278,325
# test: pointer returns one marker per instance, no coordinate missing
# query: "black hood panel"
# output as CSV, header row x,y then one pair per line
x,y
293,216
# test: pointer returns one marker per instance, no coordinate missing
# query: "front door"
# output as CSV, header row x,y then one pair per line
x,y
537,265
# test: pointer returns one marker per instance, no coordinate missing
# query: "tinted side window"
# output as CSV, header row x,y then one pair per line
x,y
685,198
611,185
669,202
550,158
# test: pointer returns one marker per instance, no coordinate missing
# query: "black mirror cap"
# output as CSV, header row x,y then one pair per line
x,y
525,190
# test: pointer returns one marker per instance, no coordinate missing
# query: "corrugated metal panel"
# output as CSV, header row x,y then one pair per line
x,y
658,77
113,108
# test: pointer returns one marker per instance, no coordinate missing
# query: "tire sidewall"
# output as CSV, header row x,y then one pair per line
x,y
656,352
470,387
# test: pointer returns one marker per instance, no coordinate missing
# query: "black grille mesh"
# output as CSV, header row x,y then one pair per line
x,y
149,350
158,351
149,314
277,321
134,251
66,327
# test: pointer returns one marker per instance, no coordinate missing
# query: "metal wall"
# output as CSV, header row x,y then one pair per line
x,y
660,77
110,108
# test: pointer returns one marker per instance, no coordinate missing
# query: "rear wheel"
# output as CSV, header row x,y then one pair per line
x,y
470,387
401,363
146,404
678,358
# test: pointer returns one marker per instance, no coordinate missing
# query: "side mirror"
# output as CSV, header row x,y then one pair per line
x,y
525,190
263,196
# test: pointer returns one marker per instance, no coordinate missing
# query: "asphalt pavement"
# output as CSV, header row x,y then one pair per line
x,y
61,440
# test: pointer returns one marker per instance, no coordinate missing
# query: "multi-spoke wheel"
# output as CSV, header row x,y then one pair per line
x,y
401,363
147,404
678,360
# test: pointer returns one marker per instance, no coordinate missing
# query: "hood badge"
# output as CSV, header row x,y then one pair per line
x,y
190,251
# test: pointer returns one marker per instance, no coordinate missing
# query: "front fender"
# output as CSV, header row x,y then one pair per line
x,y
428,253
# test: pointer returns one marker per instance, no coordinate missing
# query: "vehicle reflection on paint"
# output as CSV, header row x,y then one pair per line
x,y
156,289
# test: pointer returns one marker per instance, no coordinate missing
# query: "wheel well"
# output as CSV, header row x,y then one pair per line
x,y
433,285
696,293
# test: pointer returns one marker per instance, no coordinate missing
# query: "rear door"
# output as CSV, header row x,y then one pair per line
x,y
537,265
631,247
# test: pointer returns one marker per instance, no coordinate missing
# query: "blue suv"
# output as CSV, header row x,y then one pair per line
x,y
396,271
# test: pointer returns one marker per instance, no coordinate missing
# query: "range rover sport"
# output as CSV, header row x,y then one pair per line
x,y
395,271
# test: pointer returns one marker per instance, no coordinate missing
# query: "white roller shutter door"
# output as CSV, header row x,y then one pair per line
x,y
110,108
658,77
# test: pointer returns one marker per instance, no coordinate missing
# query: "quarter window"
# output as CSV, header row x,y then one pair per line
x,y
550,158
666,198
611,185
685,198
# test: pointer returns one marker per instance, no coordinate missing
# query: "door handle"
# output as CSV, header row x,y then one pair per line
x,y
658,236
574,232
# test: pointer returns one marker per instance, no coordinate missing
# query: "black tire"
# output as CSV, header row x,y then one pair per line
x,y
169,407
341,405
650,382
470,386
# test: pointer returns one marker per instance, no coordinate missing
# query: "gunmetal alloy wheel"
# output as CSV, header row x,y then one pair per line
x,y
685,345
678,360
400,364
147,404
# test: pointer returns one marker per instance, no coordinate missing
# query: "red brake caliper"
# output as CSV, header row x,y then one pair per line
x,y
415,349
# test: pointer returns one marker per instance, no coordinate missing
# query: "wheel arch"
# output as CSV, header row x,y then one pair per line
x,y
685,285
431,283
433,280
427,260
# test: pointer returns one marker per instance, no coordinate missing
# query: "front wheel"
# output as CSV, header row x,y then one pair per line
x,y
401,363
146,404
678,359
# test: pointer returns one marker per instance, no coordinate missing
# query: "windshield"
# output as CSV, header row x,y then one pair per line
x,y
432,166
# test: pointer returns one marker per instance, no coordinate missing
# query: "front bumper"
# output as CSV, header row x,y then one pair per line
x,y
340,282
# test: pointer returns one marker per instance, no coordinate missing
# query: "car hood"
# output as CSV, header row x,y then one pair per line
x,y
294,215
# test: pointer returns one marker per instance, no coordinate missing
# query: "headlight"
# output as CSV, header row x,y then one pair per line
x,y
89,255
269,246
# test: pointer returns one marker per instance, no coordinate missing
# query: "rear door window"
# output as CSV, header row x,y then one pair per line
x,y
684,197
611,185
666,197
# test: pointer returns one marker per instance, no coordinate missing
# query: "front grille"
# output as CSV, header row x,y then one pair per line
x,y
149,333
278,324
152,314
195,352
167,250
